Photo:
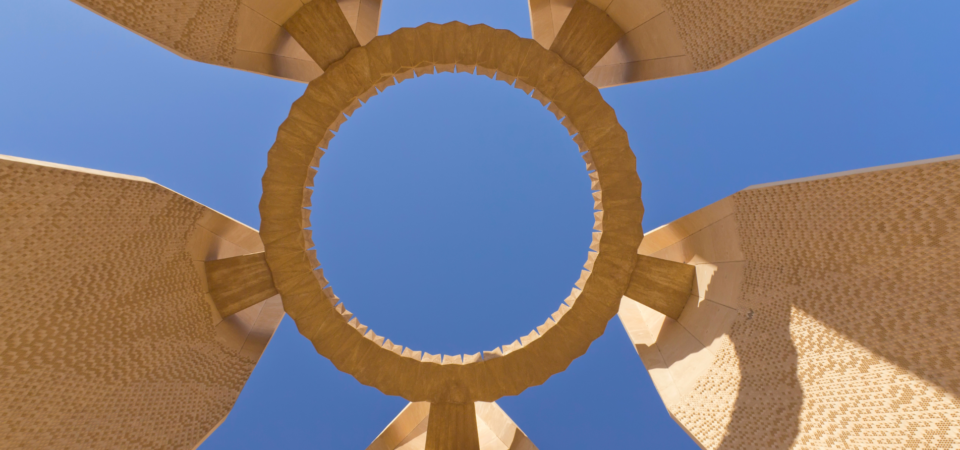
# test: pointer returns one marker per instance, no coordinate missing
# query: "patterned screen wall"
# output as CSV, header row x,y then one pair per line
x,y
665,38
716,32
205,30
826,314
242,34
107,336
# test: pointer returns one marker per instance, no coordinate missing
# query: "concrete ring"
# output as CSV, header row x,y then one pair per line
x,y
362,73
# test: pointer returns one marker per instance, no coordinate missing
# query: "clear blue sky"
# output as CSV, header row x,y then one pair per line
x,y
452,212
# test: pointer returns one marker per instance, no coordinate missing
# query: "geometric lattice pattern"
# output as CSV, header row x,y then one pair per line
x,y
203,30
107,336
825,312
835,305
666,38
242,34
717,31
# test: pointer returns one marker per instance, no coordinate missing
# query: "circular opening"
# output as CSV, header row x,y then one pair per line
x,y
457,226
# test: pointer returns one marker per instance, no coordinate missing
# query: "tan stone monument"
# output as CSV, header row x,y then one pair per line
x,y
111,338
810,313
826,313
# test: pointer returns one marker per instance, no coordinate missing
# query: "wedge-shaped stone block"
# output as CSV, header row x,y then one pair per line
x,y
240,282
662,285
586,35
322,29
495,429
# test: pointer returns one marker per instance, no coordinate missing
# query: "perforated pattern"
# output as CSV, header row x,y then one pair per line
x,y
717,31
106,340
204,30
849,318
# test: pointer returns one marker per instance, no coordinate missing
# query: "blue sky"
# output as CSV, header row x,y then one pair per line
x,y
452,212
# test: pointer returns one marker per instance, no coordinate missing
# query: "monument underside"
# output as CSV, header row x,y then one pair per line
x,y
808,313
110,336
825,313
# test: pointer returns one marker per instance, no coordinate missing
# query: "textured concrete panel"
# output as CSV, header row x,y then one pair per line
x,y
109,339
665,38
837,327
242,34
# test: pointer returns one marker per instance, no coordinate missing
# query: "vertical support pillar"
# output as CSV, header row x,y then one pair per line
x,y
452,426
323,31
586,35
662,285
240,282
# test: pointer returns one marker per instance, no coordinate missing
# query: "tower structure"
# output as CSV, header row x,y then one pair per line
x,y
810,313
